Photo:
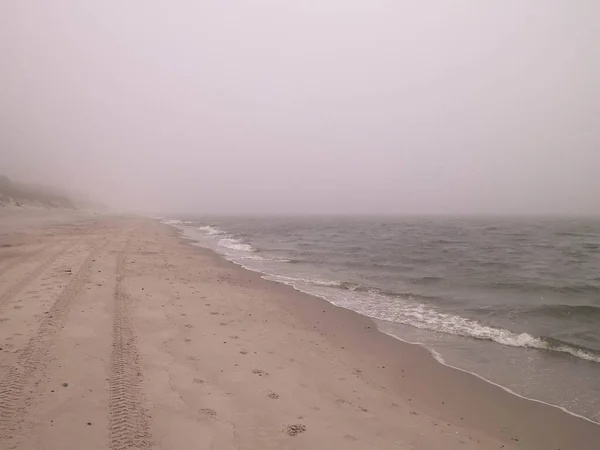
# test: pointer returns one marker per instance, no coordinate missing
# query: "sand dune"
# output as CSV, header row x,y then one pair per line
x,y
14,193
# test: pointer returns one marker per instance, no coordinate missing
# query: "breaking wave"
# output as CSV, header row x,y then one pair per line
x,y
211,231
235,244
407,311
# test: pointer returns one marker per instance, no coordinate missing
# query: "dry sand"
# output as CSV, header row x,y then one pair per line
x,y
115,333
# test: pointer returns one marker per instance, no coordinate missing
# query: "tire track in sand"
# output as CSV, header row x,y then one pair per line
x,y
33,357
27,279
128,421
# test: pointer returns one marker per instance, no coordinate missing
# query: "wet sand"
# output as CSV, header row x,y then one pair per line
x,y
115,333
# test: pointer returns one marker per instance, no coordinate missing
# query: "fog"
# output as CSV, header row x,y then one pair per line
x,y
312,106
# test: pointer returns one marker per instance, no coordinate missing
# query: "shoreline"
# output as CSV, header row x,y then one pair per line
x,y
555,411
433,353
439,358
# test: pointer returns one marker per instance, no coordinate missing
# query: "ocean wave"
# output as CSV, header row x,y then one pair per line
x,y
311,281
426,280
346,285
365,288
262,258
225,240
578,288
576,234
569,311
423,317
174,221
171,222
582,288
210,230
407,311
234,244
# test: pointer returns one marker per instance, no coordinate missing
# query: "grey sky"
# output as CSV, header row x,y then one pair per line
x,y
306,106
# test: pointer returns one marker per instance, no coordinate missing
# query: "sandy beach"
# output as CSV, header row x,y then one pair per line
x,y
116,333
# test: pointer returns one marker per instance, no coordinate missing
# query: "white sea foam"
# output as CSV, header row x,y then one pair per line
x,y
254,258
420,316
234,244
225,240
211,231
262,258
292,281
410,312
172,222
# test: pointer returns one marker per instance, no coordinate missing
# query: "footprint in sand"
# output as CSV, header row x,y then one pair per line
x,y
198,381
259,372
295,429
242,352
209,412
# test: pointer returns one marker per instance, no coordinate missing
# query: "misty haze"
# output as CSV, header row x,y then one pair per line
x,y
306,107
300,225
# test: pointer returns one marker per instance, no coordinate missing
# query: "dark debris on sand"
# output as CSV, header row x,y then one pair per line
x,y
295,429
